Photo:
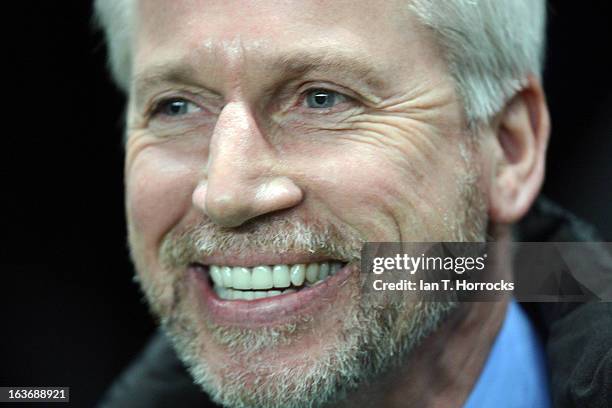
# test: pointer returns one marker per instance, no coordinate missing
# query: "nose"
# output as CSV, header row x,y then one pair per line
x,y
244,176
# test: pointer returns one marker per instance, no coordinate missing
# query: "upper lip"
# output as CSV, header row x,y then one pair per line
x,y
251,260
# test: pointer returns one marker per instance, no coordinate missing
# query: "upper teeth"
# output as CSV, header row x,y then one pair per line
x,y
275,276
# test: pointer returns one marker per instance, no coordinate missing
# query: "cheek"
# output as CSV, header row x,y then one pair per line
x,y
363,194
159,187
357,186
388,193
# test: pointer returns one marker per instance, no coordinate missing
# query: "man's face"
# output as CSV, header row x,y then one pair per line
x,y
279,133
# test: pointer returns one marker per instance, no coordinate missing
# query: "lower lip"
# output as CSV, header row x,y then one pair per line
x,y
271,310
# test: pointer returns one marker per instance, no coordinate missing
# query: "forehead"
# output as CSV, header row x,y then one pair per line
x,y
269,18
231,31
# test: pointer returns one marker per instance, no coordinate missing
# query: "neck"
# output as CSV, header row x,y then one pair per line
x,y
443,369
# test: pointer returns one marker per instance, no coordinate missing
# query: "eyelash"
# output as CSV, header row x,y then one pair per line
x,y
158,106
343,98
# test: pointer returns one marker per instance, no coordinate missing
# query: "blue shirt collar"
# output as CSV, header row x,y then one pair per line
x,y
514,375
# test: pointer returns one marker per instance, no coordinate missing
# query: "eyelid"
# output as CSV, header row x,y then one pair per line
x,y
302,95
326,86
156,102
158,105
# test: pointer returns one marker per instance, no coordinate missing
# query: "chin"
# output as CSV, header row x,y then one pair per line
x,y
310,358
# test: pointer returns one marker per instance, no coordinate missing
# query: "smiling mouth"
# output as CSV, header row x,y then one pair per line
x,y
252,291
265,281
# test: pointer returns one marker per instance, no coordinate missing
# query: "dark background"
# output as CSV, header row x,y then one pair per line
x,y
70,314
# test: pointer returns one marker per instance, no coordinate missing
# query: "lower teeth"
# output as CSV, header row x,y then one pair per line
x,y
233,294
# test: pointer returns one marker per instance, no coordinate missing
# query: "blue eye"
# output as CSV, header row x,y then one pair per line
x,y
322,98
176,107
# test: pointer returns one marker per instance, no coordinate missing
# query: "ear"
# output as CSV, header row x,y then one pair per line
x,y
522,130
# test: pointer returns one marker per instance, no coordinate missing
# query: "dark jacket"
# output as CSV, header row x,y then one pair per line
x,y
578,339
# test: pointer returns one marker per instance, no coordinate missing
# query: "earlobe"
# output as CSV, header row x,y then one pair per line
x,y
521,131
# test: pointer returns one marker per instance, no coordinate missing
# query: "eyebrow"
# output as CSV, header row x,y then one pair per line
x,y
166,72
288,66
302,62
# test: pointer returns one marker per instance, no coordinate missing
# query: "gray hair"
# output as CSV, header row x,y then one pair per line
x,y
116,19
491,46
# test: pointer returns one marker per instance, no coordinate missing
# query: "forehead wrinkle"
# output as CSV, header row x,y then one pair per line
x,y
234,56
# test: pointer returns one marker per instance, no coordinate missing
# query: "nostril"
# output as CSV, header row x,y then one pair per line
x,y
198,197
280,192
228,211
232,204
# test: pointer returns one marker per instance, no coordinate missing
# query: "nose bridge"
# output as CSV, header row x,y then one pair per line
x,y
238,149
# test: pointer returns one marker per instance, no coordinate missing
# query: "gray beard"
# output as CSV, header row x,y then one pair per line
x,y
375,339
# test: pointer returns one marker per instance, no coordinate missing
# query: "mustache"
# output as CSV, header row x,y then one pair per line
x,y
275,235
